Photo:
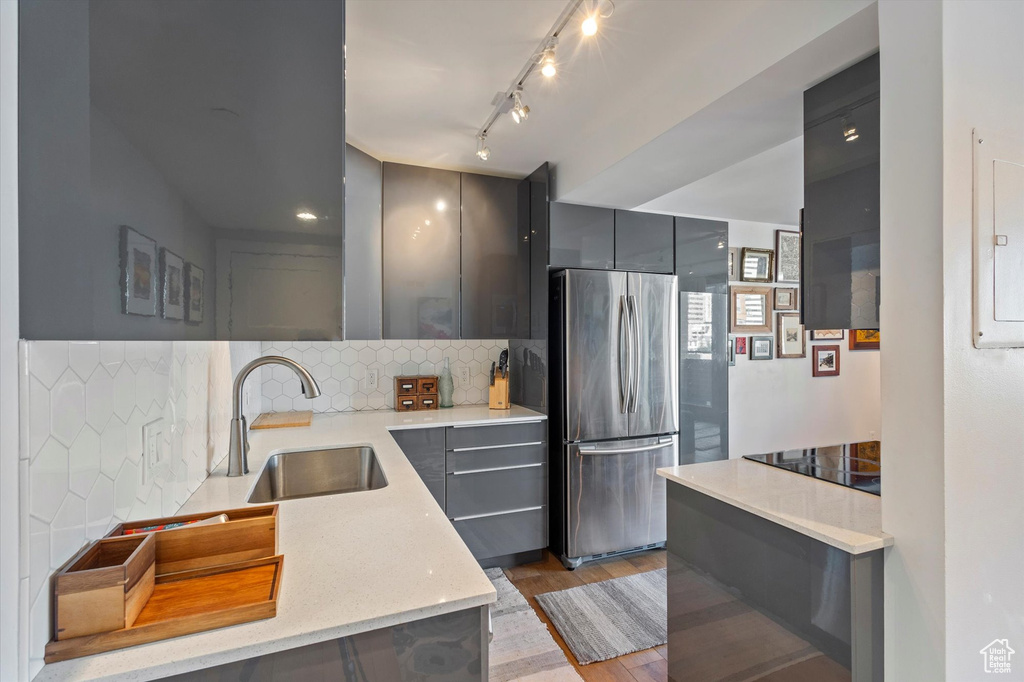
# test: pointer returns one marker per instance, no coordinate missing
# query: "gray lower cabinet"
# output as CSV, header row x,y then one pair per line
x,y
424,449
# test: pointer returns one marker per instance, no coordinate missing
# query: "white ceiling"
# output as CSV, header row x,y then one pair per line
x,y
669,93
767,188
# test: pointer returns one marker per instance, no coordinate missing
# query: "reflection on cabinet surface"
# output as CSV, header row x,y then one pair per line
x,y
421,252
495,275
702,255
643,242
208,161
582,236
840,279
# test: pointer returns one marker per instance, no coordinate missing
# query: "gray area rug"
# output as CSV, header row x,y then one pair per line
x,y
522,648
611,618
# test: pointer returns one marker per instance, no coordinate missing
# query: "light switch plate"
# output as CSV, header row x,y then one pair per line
x,y
152,448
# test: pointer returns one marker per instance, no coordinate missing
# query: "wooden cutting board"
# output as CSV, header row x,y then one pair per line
x,y
280,420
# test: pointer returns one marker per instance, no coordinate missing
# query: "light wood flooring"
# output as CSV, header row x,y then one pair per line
x,y
549,575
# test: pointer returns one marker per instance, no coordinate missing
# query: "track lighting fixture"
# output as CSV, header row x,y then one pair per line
x,y
849,129
589,25
520,112
547,62
602,10
482,151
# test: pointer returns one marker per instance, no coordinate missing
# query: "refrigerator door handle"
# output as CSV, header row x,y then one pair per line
x,y
585,450
634,319
624,382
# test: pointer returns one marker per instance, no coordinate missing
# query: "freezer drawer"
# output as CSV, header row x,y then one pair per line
x,y
506,533
616,501
490,491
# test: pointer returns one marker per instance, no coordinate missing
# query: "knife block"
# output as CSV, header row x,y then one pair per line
x,y
498,394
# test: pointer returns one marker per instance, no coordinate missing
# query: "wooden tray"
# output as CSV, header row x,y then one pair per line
x,y
189,602
249,533
281,420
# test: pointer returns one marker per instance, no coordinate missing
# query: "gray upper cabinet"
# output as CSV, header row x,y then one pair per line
x,y
495,275
169,185
421,252
840,278
702,255
643,242
363,266
582,236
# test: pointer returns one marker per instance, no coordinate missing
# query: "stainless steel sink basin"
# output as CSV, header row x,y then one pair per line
x,y
310,473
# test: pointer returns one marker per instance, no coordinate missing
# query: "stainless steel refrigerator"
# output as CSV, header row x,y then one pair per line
x,y
615,410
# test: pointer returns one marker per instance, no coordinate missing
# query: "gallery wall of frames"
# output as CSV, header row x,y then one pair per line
x,y
790,387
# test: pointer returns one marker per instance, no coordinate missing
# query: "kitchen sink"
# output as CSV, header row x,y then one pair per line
x,y
311,473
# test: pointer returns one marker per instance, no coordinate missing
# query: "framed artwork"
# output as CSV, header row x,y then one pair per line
x,y
826,361
757,265
741,345
138,273
792,340
761,347
786,298
787,256
172,285
732,352
864,339
866,456
734,260
195,289
750,310
827,334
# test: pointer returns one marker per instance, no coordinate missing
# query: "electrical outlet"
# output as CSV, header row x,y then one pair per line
x,y
371,379
464,375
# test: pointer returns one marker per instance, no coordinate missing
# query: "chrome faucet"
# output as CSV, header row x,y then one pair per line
x,y
238,450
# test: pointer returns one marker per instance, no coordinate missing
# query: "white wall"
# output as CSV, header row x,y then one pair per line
x,y
778,404
952,414
9,527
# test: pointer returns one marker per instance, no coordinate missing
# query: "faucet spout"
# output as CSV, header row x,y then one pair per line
x,y
238,449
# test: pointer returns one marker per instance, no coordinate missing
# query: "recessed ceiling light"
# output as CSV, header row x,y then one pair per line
x,y
305,215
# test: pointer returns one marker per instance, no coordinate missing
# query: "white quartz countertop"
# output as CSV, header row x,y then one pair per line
x,y
352,562
848,519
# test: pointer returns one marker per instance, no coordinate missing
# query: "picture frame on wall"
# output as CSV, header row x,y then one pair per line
x,y
791,337
734,260
786,298
762,348
172,285
741,345
827,334
138,278
750,310
195,294
732,352
757,265
787,256
864,339
825,361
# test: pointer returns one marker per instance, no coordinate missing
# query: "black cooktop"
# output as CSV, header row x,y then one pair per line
x,y
832,464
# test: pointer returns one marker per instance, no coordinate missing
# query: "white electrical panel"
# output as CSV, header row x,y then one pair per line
x,y
998,241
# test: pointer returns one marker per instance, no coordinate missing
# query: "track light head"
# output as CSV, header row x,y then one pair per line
x,y
483,152
520,112
547,62
589,25
849,129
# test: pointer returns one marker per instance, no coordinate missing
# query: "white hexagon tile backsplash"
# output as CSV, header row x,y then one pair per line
x,y
340,369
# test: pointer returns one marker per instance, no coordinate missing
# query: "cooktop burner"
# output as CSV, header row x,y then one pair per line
x,y
832,464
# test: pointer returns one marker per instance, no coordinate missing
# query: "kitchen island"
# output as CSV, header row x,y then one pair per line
x,y
772,573
358,567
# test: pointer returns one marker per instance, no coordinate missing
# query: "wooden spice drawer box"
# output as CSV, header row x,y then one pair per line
x,y
416,393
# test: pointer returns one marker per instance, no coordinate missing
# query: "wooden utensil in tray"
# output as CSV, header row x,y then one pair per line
x,y
199,578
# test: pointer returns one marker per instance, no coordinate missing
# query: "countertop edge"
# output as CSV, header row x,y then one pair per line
x,y
869,544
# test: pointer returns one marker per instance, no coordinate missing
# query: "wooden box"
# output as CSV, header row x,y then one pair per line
x,y
416,393
104,587
249,533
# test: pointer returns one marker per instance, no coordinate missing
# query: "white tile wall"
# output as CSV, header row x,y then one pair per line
x,y
340,369
83,405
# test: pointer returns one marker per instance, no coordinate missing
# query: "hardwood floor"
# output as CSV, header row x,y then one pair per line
x,y
650,665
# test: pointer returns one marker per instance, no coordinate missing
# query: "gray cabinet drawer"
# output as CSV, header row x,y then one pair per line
x,y
501,534
490,458
459,437
501,490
